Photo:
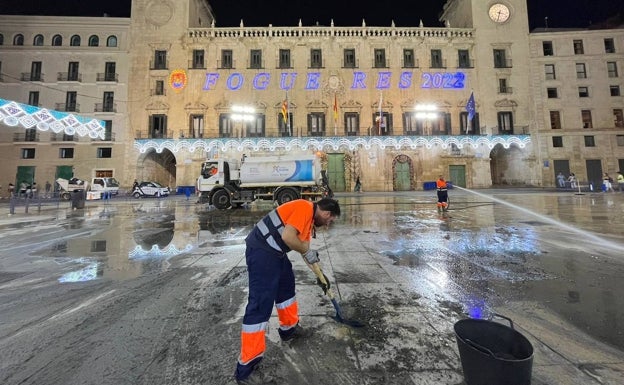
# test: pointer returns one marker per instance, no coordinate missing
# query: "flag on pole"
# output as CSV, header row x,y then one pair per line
x,y
380,117
470,107
285,111
335,108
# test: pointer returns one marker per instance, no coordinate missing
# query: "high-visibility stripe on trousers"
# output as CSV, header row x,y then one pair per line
x,y
271,282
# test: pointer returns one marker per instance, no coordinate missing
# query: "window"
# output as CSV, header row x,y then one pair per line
x,y
614,90
35,71
380,58
500,59
284,58
505,123
549,70
110,69
57,40
71,101
94,41
38,40
159,87
316,124
18,39
547,48
111,41
198,59
589,141
226,129
30,135
28,153
255,58
551,93
74,41
612,69
383,126
284,129
66,153
226,58
33,98
578,47
503,88
463,59
352,123
586,117
108,130
609,45
98,246
583,92
411,125
104,152
349,58
555,120
196,130
73,71
158,126
436,58
580,71
620,140
160,60
108,102
618,117
557,141
316,58
1,39
408,58
255,128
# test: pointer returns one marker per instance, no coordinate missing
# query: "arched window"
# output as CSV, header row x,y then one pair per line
x,y
38,40
57,40
75,41
1,39
94,41
111,41
18,39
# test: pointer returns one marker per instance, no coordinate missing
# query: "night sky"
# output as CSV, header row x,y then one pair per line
x,y
560,13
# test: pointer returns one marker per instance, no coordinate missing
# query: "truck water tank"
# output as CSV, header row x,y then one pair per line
x,y
272,170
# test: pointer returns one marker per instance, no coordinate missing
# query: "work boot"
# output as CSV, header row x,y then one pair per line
x,y
297,332
258,377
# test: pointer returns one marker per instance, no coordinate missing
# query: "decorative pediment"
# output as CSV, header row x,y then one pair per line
x,y
316,105
505,103
351,105
384,104
291,105
196,106
157,105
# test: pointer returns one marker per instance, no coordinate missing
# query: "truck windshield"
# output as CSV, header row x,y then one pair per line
x,y
112,182
209,169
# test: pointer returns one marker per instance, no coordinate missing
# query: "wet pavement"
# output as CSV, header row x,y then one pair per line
x,y
152,291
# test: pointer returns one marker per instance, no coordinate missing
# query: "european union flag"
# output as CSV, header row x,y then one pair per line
x,y
470,107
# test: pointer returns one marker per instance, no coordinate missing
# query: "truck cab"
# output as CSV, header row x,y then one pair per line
x,y
105,184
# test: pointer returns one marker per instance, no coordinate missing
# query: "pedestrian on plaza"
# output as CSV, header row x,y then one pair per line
x,y
11,190
607,183
442,191
561,180
620,181
572,180
358,185
271,278
48,187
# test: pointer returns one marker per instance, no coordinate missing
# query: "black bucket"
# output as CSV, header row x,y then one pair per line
x,y
492,353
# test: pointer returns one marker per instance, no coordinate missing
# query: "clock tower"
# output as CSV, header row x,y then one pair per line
x,y
500,51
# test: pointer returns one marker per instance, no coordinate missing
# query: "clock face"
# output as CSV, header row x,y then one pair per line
x,y
499,13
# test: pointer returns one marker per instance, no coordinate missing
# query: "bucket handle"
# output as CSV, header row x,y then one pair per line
x,y
502,316
479,347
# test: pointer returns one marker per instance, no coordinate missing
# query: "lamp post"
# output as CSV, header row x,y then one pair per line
x,y
243,114
426,113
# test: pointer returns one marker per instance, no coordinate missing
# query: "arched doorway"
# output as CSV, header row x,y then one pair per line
x,y
402,173
157,167
507,166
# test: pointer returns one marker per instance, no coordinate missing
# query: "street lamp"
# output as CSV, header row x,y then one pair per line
x,y
242,114
426,113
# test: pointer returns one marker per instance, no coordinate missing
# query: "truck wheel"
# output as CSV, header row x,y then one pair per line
x,y
221,200
287,195
137,195
65,196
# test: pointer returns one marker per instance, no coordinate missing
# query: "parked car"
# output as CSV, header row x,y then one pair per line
x,y
150,189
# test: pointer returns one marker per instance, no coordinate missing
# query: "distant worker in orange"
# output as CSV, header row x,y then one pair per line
x,y
272,280
442,194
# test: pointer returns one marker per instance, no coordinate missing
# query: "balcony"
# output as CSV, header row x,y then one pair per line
x,y
69,77
438,64
226,64
108,137
107,77
28,136
503,63
196,65
63,138
67,107
413,63
159,64
350,63
505,90
381,63
465,64
316,63
105,107
32,77
153,135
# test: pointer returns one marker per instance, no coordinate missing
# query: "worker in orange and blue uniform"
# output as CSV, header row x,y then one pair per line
x,y
442,194
271,277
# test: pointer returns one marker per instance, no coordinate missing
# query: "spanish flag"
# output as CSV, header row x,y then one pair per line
x,y
285,111
335,108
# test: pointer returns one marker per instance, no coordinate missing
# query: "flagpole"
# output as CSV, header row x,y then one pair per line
x,y
288,128
335,117
380,112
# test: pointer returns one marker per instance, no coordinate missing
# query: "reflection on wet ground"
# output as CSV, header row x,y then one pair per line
x,y
561,251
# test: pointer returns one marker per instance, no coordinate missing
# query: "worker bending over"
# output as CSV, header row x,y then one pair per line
x,y
442,194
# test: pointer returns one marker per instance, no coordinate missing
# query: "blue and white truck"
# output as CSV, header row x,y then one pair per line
x,y
227,183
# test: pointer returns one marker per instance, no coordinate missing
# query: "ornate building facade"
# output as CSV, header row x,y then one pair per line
x,y
388,104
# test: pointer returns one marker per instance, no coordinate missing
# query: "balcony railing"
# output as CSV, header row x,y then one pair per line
x,y
197,65
67,107
28,136
64,138
105,107
107,77
108,137
465,64
159,65
438,64
32,77
502,63
385,63
226,65
505,90
152,135
69,77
